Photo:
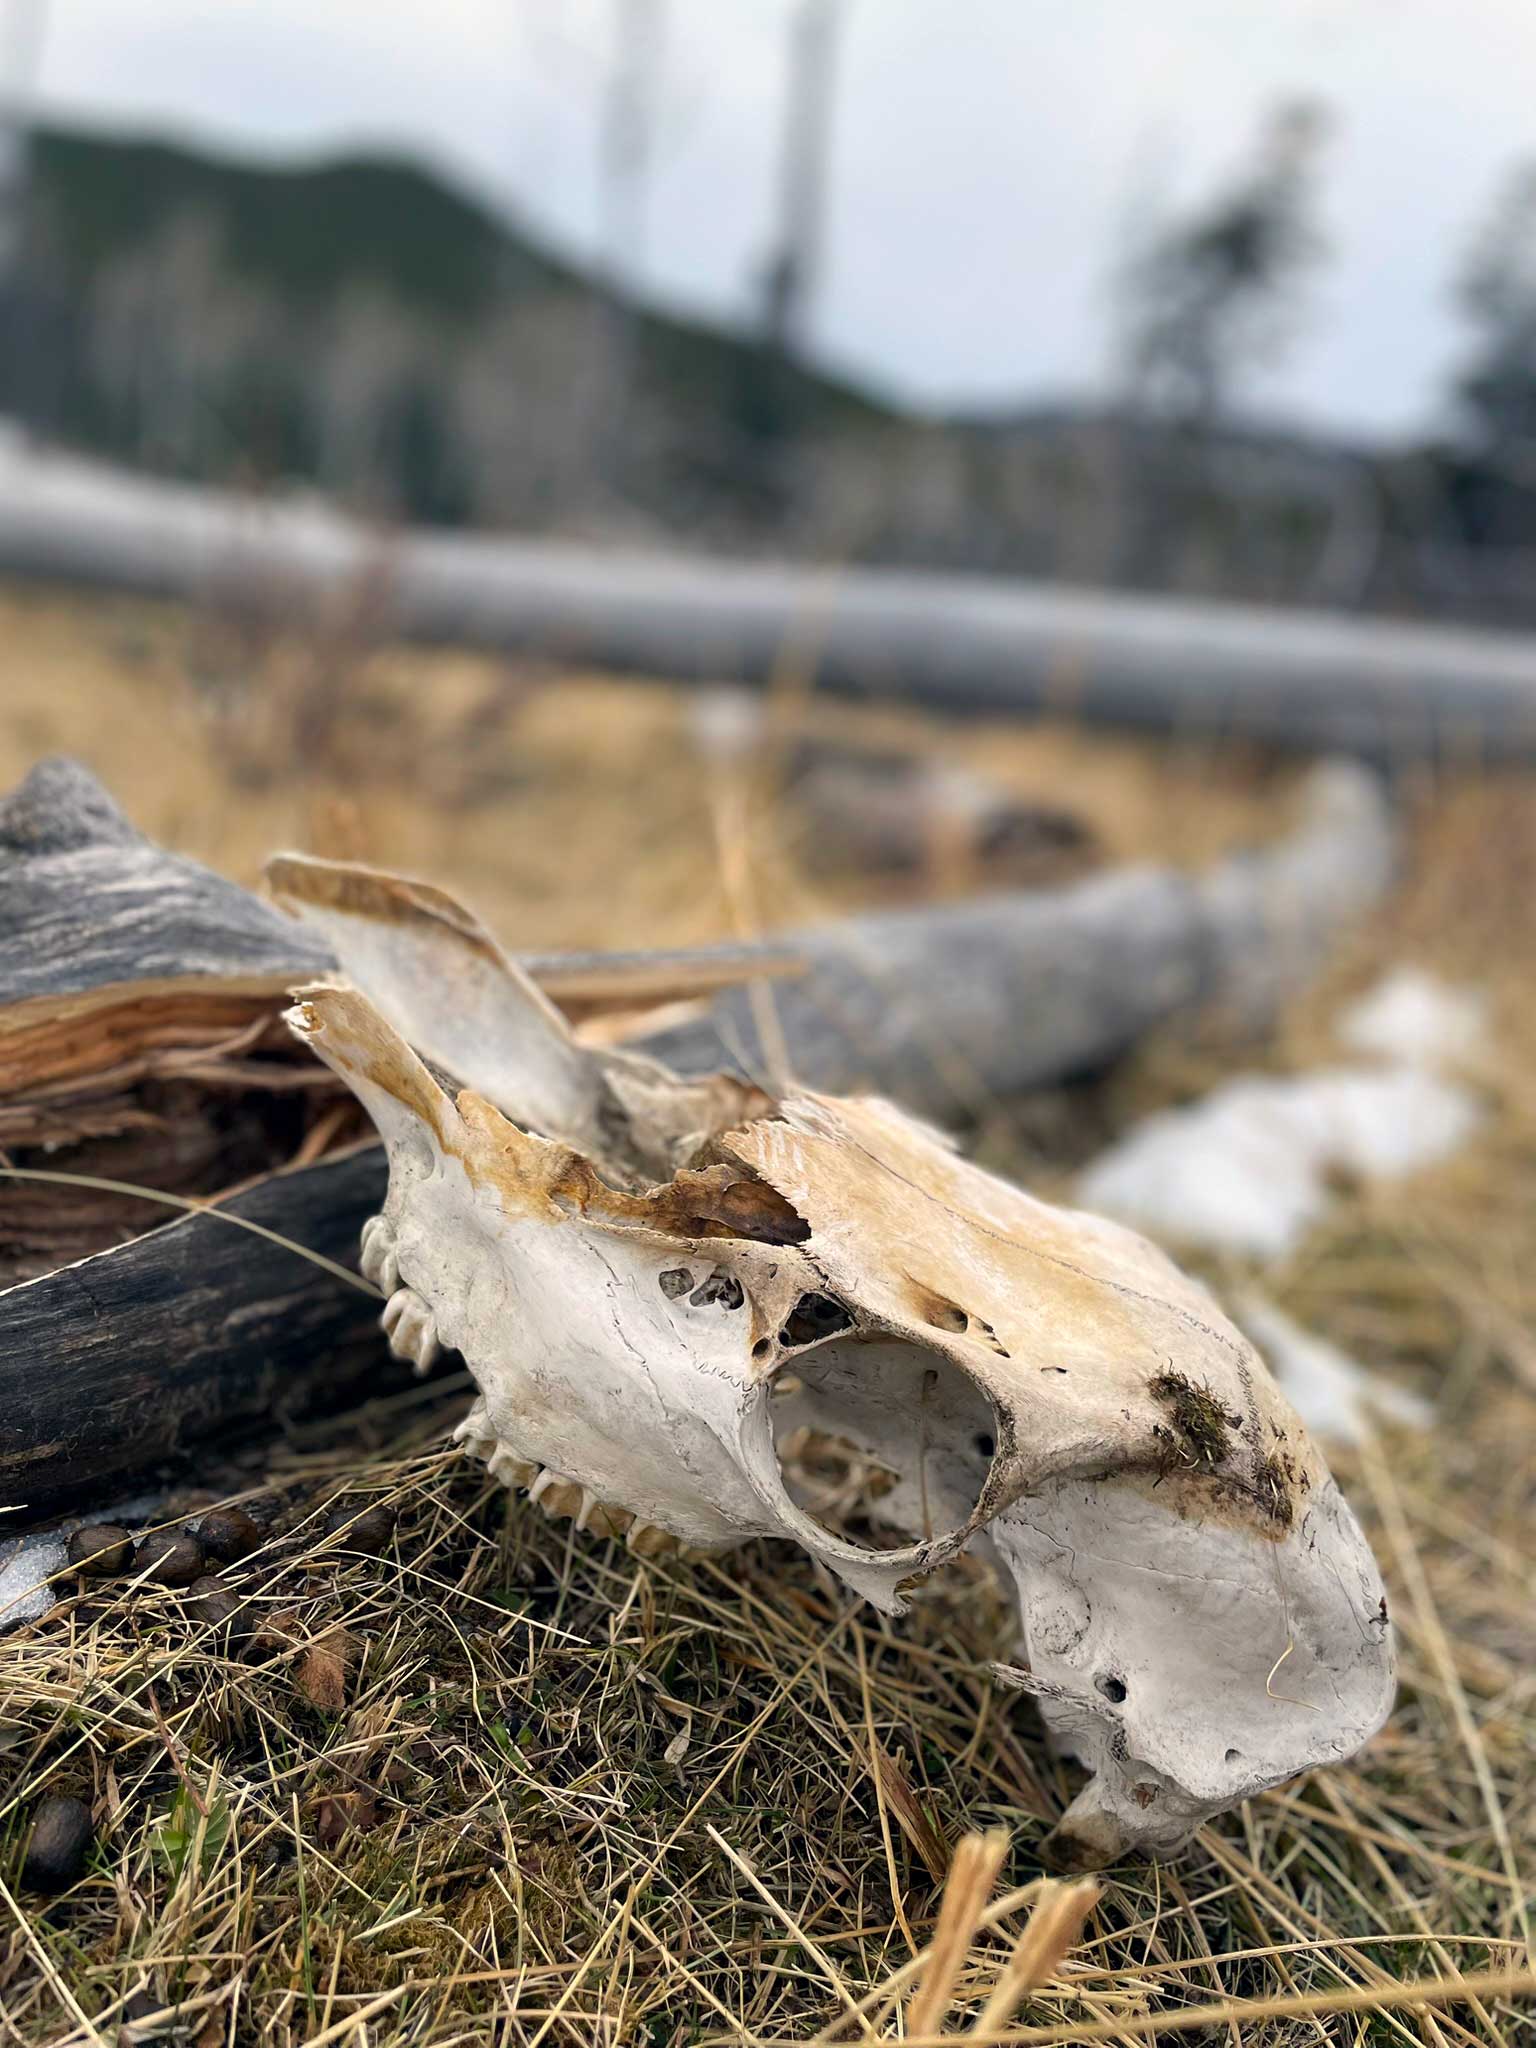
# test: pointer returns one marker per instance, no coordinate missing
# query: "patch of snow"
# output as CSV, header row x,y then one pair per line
x,y
1333,1393
1414,1019
24,1570
28,1561
1246,1168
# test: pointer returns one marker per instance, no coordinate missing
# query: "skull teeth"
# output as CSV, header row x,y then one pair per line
x,y
378,1259
560,1498
411,1328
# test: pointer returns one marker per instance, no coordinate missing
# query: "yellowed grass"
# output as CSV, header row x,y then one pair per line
x,y
573,811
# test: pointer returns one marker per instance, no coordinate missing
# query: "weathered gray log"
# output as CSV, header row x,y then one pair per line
x,y
1311,681
196,1329
88,903
947,1010
196,1332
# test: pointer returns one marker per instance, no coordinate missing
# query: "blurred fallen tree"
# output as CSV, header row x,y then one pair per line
x,y
1313,682
140,1046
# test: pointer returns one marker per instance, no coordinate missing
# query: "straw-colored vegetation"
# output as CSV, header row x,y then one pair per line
x,y
507,1783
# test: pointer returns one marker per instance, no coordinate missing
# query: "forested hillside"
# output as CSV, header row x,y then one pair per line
x,y
363,324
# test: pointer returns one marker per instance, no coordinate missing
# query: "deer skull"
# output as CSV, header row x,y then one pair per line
x,y
657,1282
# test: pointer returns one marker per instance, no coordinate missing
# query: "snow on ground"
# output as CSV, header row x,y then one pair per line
x,y
1247,1168
1335,1396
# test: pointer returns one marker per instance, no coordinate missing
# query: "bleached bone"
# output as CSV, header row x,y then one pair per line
x,y
1201,1615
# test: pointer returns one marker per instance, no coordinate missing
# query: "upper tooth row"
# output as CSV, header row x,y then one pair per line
x,y
562,1498
412,1332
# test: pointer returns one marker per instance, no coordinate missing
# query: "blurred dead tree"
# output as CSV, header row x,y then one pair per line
x,y
1498,295
365,326
1208,304
304,691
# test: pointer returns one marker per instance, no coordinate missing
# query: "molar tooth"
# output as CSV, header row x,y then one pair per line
x,y
412,1329
550,1490
558,1496
509,1468
607,1519
599,1518
472,1429
378,1259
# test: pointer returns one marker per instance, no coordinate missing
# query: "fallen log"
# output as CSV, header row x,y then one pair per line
x,y
1311,681
948,1010
139,1042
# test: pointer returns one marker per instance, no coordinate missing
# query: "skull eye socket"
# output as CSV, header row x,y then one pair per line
x,y
882,1431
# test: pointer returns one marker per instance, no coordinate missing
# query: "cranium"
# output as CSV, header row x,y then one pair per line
x,y
656,1281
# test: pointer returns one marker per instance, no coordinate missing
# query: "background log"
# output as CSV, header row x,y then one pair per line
x,y
1312,681
950,1009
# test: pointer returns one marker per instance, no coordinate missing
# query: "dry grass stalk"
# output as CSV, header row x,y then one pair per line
x,y
1054,1928
972,1875
911,1817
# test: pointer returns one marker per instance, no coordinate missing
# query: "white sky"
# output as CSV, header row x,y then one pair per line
x,y
988,159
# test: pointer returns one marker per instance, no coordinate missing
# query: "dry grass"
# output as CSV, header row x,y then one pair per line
x,y
509,1784
572,811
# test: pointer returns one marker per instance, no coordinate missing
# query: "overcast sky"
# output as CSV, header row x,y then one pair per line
x,y
989,156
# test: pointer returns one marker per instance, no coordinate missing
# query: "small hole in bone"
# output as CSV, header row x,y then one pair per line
x,y
1234,1756
1113,1688
813,1317
1053,1368
762,1347
675,1282
944,1315
985,1444
720,1290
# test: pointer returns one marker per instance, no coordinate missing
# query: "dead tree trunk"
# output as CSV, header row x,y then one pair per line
x,y
948,1010
1315,682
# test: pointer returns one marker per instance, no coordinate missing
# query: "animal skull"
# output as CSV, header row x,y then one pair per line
x,y
655,1282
